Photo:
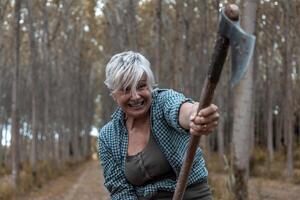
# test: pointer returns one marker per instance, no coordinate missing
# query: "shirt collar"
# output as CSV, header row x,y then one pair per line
x,y
118,114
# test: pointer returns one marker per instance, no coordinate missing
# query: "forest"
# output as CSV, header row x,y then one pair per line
x,y
53,55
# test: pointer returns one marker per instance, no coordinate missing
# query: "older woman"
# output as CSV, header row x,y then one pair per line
x,y
142,148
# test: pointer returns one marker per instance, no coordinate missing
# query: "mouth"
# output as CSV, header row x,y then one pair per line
x,y
136,104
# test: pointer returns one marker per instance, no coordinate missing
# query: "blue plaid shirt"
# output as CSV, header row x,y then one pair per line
x,y
170,136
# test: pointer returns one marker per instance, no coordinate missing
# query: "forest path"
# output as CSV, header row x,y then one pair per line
x,y
262,188
84,183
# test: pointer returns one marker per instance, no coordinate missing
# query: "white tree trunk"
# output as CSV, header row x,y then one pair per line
x,y
242,122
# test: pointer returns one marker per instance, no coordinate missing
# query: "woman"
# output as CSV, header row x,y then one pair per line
x,y
142,148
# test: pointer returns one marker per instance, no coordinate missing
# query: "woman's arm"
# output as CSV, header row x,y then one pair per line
x,y
202,123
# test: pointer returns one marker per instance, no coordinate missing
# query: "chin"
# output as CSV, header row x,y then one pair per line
x,y
137,113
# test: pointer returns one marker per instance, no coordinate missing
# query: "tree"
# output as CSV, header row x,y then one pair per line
x,y
287,82
158,31
15,104
243,110
34,91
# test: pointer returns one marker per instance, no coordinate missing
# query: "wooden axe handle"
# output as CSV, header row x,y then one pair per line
x,y
207,93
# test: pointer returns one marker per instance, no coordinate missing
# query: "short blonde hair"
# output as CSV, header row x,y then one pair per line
x,y
126,69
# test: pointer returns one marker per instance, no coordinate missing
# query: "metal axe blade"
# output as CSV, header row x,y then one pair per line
x,y
242,47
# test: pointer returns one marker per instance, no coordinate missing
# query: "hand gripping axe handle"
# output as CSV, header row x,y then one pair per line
x,y
242,46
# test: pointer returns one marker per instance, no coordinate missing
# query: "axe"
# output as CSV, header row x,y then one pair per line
x,y
242,46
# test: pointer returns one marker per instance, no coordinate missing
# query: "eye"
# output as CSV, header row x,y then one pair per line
x,y
127,89
142,86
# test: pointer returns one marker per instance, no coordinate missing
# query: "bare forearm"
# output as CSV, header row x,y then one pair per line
x,y
186,110
200,123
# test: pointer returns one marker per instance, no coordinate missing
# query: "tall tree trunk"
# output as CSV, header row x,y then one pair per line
x,y
114,12
204,142
288,109
243,113
47,55
220,130
15,104
3,6
132,26
34,80
278,123
298,127
88,114
47,77
76,118
178,54
269,112
158,48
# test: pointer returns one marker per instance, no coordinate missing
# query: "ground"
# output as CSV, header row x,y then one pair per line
x,y
86,183
259,188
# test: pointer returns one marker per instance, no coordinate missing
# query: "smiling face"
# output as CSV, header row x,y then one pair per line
x,y
135,103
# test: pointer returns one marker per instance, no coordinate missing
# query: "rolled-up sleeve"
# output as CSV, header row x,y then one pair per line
x,y
171,103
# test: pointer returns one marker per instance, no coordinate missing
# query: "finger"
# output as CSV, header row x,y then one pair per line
x,y
196,128
208,110
203,127
199,133
212,125
211,118
206,120
192,117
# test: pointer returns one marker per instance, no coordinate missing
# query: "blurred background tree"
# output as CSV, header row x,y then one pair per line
x,y
53,55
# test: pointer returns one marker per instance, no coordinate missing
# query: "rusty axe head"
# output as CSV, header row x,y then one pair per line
x,y
242,43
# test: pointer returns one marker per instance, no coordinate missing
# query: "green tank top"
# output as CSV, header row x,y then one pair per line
x,y
150,165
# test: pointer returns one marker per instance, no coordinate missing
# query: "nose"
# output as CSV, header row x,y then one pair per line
x,y
135,95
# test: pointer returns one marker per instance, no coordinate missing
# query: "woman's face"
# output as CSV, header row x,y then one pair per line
x,y
135,104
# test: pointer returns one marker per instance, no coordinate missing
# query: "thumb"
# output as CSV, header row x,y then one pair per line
x,y
192,117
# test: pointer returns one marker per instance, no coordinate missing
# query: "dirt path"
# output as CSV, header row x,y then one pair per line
x,y
262,189
85,183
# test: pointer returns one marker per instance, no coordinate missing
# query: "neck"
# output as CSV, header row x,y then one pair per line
x,y
132,122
